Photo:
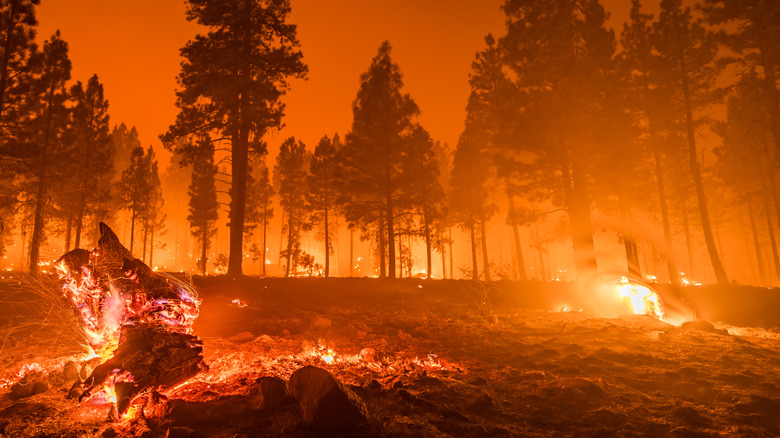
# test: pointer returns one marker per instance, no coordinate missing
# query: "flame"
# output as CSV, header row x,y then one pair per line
x,y
643,300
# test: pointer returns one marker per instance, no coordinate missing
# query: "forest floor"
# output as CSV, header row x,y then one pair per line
x,y
431,359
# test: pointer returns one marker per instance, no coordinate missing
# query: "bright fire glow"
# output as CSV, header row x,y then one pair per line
x,y
643,300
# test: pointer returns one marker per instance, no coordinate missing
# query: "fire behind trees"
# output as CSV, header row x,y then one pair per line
x,y
565,115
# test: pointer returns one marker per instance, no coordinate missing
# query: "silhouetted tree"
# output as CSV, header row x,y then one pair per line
x,y
292,167
556,52
231,83
426,195
139,189
17,44
649,110
321,193
93,152
744,159
48,126
203,200
375,181
469,202
259,208
689,52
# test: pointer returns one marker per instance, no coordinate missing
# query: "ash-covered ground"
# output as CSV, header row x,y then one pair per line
x,y
431,358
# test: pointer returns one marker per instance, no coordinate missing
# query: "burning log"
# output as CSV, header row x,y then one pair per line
x,y
144,317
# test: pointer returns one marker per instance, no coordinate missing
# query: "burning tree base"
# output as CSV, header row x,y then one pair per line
x,y
137,321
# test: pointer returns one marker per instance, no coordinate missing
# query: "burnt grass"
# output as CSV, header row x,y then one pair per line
x,y
449,358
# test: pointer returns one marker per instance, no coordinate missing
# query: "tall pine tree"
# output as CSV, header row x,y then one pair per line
x,y
231,83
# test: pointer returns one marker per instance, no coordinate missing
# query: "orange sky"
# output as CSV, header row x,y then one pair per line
x,y
133,46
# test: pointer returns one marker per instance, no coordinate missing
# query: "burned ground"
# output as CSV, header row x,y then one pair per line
x,y
439,358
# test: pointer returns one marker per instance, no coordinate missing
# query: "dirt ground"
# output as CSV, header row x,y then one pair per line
x,y
436,358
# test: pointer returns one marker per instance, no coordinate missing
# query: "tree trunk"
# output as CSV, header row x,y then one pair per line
x,y
132,231
151,244
382,249
717,264
757,244
474,268
390,237
521,274
290,231
146,236
449,243
204,246
327,242
429,264
281,244
265,232
485,261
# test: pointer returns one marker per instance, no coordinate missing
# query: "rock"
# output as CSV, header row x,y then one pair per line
x,y
702,325
70,371
241,338
110,432
29,385
273,391
326,404
320,322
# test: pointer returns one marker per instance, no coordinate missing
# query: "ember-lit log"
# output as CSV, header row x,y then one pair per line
x,y
147,317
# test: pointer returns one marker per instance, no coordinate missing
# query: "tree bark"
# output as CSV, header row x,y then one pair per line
x,y
429,264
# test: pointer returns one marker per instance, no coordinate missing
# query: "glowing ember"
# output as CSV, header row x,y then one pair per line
x,y
238,303
643,300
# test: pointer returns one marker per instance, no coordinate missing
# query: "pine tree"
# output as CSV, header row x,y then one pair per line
x,y
93,154
371,164
17,44
203,206
469,203
689,52
292,166
231,83
260,211
556,52
648,109
321,193
46,132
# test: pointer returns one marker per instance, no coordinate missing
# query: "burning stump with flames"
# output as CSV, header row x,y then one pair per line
x,y
137,322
